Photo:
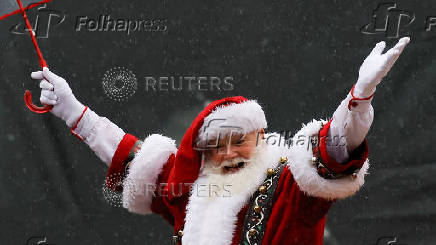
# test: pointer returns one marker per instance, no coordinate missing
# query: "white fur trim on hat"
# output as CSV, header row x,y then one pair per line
x,y
139,185
241,117
306,175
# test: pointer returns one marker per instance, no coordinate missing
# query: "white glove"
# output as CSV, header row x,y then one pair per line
x,y
102,136
56,91
376,66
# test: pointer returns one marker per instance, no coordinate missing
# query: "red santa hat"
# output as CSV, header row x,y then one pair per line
x,y
218,118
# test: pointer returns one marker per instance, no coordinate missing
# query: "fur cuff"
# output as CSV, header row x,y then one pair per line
x,y
140,183
306,175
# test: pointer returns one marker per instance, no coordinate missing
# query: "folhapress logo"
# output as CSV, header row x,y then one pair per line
x,y
388,240
388,19
42,22
107,23
40,240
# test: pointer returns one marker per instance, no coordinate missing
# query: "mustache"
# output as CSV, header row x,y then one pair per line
x,y
232,163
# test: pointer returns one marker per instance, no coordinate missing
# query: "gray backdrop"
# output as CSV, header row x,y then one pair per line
x,y
298,58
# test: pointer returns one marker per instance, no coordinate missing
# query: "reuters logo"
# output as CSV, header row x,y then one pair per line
x,y
119,84
113,187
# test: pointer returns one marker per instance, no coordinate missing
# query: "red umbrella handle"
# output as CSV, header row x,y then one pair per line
x,y
42,63
32,107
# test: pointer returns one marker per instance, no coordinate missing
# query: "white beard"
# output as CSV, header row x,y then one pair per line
x,y
211,219
231,184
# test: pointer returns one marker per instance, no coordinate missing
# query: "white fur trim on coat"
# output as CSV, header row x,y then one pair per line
x,y
306,175
241,117
139,185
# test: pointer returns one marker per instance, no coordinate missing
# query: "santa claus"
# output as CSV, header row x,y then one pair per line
x,y
229,182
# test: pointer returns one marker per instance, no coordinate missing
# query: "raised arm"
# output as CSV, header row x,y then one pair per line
x,y
335,163
134,165
101,135
352,119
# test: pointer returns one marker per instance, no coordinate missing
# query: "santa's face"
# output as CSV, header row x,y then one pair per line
x,y
233,152
248,168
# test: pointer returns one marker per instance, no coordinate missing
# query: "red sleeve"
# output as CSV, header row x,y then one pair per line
x,y
160,204
116,172
357,157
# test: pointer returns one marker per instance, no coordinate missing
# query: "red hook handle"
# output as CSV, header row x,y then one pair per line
x,y
27,93
32,107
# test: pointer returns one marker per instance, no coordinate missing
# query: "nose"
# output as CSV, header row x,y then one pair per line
x,y
229,153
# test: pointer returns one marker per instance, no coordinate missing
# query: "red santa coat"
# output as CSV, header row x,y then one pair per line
x,y
300,203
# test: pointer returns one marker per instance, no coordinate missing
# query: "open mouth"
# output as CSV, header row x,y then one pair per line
x,y
234,168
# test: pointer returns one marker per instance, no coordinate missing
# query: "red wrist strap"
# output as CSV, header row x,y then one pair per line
x,y
75,125
352,102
